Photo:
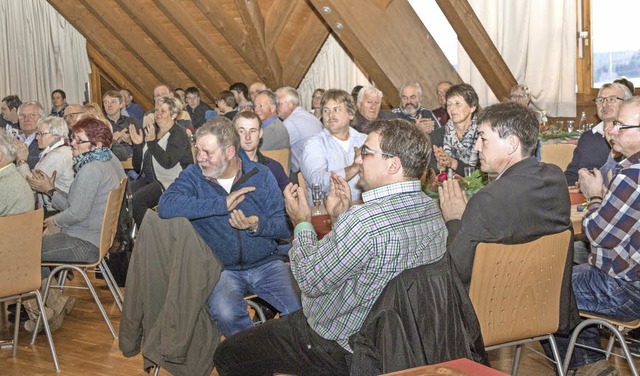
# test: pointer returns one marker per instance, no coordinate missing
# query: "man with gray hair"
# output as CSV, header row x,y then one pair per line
x,y
29,113
275,135
411,110
237,208
15,196
368,103
299,123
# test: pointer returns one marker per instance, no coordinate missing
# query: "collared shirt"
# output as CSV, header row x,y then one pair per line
x,y
598,129
341,276
268,121
59,113
461,149
27,140
301,125
613,227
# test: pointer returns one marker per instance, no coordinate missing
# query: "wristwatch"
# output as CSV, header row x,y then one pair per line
x,y
50,192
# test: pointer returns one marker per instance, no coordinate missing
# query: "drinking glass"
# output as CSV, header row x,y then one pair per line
x,y
317,194
570,124
468,171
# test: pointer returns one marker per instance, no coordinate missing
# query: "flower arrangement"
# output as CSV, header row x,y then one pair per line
x,y
553,133
470,184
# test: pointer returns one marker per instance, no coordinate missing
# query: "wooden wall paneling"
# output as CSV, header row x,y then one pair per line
x,y
277,17
117,60
254,24
237,38
141,94
479,46
194,66
392,45
94,80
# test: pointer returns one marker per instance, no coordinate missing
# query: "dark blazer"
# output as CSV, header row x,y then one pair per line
x,y
529,200
34,154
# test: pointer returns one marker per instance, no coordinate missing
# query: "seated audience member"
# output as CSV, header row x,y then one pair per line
x,y
73,110
73,234
59,103
625,81
441,112
241,93
299,124
159,155
411,110
15,196
521,94
457,151
113,103
93,109
613,158
368,105
335,148
29,113
316,98
592,149
529,199
9,111
195,107
227,104
184,119
275,135
609,284
249,129
56,158
342,276
180,94
236,207
133,109
254,89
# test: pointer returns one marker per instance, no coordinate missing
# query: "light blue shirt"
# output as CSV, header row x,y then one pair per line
x,y
323,155
301,125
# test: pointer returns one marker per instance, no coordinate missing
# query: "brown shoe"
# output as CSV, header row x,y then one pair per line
x,y
599,368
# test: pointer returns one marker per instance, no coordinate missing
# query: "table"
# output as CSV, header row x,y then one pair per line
x,y
458,367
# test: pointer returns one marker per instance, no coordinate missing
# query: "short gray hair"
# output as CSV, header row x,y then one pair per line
x,y
7,147
32,103
618,86
57,126
224,131
292,93
369,89
273,98
415,84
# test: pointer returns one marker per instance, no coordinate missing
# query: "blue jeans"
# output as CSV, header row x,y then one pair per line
x,y
63,248
598,292
272,282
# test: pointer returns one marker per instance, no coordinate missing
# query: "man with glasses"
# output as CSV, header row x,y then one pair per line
x,y
396,228
592,149
71,114
609,283
29,113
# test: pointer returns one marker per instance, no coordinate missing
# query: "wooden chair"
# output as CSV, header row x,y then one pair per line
x,y
21,251
280,155
109,228
127,164
617,328
557,154
515,291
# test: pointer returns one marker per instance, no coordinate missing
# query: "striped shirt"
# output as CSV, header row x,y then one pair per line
x,y
613,227
397,228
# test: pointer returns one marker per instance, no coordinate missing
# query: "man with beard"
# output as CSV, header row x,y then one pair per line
x,y
238,210
411,110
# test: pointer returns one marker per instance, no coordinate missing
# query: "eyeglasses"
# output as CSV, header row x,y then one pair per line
x,y
619,126
69,115
42,133
518,96
79,141
365,150
611,99
32,115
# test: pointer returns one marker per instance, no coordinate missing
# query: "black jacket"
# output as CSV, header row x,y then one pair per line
x,y
423,316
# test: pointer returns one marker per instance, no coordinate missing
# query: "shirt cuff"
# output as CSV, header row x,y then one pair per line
x,y
303,226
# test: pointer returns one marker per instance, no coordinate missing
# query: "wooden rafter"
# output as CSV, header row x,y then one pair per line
x,y
254,24
276,19
479,46
190,64
304,51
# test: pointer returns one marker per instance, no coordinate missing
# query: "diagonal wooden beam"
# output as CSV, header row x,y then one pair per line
x,y
392,45
304,51
236,37
479,46
276,19
254,24
192,65
200,39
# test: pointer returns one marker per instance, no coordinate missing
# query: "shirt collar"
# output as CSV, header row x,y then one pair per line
x,y
599,128
269,121
391,189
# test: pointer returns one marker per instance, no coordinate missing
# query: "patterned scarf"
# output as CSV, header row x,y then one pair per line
x,y
97,154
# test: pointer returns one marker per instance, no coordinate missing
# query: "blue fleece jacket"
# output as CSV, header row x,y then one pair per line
x,y
205,204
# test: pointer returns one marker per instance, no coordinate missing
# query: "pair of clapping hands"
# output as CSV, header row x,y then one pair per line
x,y
40,182
336,203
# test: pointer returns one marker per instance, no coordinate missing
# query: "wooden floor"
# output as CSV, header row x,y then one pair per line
x,y
85,347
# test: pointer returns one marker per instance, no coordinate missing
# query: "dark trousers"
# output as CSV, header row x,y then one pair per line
x,y
286,345
146,195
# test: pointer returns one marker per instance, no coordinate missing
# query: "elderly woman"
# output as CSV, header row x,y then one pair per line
x,y
457,151
159,155
56,158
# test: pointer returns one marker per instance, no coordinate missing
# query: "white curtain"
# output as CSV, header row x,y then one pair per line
x,y
40,52
332,69
537,40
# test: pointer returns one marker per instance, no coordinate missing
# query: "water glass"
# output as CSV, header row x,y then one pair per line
x,y
317,194
570,124
468,171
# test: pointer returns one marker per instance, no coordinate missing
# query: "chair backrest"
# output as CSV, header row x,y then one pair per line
x,y
20,252
557,154
280,155
515,288
110,219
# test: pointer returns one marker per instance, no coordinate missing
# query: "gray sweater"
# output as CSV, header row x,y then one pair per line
x,y
82,209
16,197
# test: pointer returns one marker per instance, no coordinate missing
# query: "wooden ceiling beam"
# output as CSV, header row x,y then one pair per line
x,y
254,23
121,79
192,65
391,44
479,46
303,52
200,39
276,19
236,37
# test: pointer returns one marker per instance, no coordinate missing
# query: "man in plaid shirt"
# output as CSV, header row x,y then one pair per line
x,y
609,284
341,276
